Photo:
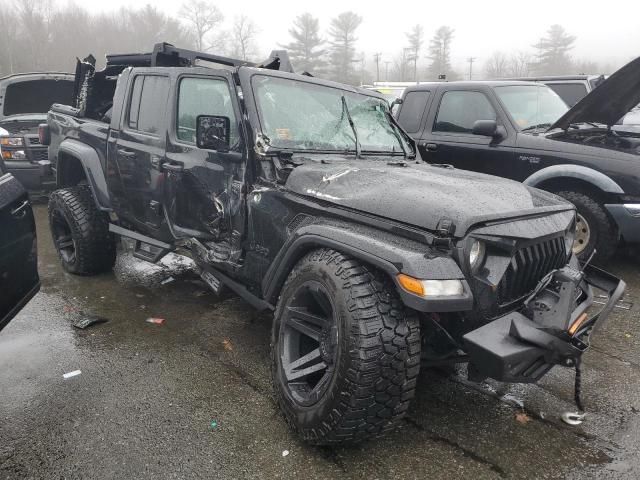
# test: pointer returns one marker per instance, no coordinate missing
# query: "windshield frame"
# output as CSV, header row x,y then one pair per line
x,y
247,75
506,110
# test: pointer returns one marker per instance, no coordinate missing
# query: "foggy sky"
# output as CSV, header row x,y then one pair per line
x,y
607,35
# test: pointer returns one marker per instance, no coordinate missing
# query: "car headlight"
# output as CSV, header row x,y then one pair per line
x,y
431,288
476,254
13,155
12,141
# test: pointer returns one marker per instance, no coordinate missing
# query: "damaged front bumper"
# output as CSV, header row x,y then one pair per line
x,y
554,328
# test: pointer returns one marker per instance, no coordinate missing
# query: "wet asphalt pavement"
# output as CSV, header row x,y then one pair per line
x,y
191,398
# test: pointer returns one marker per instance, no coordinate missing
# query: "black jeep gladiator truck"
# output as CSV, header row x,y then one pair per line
x,y
525,132
306,198
25,99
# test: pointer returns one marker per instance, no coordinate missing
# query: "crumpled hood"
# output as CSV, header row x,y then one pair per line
x,y
420,194
609,101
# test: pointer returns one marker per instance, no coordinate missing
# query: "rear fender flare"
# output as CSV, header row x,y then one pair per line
x,y
90,161
585,174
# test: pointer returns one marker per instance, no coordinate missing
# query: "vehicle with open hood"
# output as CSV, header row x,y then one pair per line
x,y
25,100
525,132
307,199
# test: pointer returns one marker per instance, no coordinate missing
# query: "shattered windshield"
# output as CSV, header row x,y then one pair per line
x,y
532,106
300,115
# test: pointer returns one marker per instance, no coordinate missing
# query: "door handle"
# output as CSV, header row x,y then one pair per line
x,y
126,153
21,210
172,166
432,147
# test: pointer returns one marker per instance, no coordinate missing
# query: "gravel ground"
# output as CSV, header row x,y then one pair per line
x,y
191,398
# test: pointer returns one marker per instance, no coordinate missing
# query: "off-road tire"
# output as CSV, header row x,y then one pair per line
x,y
604,233
377,355
93,244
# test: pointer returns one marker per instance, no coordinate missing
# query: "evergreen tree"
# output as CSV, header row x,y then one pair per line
x,y
306,50
416,40
553,52
343,39
440,54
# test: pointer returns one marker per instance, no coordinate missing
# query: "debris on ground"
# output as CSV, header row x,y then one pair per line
x,y
523,418
573,418
285,453
88,320
226,343
156,321
71,374
167,280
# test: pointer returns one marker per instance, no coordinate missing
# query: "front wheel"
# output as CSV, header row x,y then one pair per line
x,y
345,351
594,229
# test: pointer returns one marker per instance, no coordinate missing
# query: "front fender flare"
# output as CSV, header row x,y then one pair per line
x,y
389,257
586,174
90,161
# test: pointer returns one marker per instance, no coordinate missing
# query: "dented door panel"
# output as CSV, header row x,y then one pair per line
x,y
205,198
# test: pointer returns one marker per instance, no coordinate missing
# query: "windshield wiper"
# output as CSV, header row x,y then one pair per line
x,y
395,132
345,109
536,127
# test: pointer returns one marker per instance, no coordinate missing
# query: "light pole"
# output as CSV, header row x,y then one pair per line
x,y
377,58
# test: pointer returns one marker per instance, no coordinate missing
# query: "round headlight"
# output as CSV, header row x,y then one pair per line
x,y
476,254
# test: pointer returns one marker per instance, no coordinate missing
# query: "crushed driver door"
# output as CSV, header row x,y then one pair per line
x,y
204,195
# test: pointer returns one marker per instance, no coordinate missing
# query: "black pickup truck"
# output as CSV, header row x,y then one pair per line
x,y
25,99
306,198
524,131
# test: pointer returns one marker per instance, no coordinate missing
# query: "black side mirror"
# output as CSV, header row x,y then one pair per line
x,y
213,132
487,128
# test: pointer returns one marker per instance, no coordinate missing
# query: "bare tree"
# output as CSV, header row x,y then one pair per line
x,y
497,65
204,17
306,49
8,40
149,25
416,40
342,31
35,18
243,33
520,64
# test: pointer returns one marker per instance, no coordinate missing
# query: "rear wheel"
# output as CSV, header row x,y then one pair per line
x,y
594,229
345,352
80,232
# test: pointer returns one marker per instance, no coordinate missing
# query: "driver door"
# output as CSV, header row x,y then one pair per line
x,y
205,198
448,136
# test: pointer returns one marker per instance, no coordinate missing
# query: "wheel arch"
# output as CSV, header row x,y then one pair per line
x,y
558,178
387,257
78,162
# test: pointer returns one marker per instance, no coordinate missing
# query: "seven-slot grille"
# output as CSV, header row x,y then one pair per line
x,y
38,154
528,266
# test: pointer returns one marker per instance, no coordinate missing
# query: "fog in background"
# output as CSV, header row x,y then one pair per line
x,y
354,42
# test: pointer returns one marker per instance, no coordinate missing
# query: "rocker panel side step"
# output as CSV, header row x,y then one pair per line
x,y
146,248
